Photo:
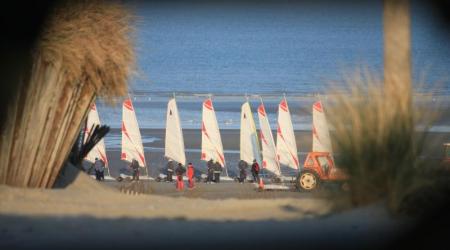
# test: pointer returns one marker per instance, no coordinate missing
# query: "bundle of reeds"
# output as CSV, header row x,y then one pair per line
x,y
85,50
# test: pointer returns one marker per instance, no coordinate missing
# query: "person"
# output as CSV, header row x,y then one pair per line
x,y
255,171
179,172
170,169
217,171
190,175
135,168
96,166
99,167
242,170
210,166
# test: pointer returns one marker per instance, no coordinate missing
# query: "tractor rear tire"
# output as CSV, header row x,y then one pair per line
x,y
308,181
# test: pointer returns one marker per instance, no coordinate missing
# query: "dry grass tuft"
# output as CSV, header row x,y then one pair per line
x,y
375,134
85,49
92,40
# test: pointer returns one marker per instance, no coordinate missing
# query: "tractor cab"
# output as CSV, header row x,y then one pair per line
x,y
318,167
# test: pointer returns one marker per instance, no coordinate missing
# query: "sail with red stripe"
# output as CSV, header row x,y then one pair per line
x,y
212,147
270,161
320,131
99,150
249,144
286,144
132,147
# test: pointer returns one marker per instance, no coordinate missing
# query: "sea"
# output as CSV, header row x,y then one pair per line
x,y
262,51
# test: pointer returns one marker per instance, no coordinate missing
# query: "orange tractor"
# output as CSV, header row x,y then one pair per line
x,y
319,168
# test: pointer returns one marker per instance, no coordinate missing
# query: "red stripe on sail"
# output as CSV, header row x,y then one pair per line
x,y
264,164
128,104
204,130
279,131
203,157
262,110
93,108
295,160
263,138
314,131
283,105
318,106
208,104
123,156
142,158
124,130
222,159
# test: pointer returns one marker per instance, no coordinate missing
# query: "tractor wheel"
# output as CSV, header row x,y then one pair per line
x,y
308,181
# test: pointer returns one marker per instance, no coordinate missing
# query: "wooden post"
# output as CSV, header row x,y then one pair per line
x,y
397,47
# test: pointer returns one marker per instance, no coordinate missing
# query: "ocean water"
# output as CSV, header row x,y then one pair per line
x,y
274,47
261,49
228,50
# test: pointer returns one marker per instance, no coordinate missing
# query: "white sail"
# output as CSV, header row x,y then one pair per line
x,y
270,161
249,144
174,142
99,149
132,147
286,145
211,141
320,132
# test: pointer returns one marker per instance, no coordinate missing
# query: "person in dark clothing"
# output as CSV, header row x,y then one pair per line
x,y
217,172
135,168
210,166
170,169
179,172
255,171
242,170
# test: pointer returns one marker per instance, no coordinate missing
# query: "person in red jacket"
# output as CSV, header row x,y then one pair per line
x,y
180,171
255,171
190,175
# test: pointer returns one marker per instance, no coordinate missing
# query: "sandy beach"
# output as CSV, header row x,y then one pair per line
x,y
91,214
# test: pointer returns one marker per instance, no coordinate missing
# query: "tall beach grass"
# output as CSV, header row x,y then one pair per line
x,y
376,134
